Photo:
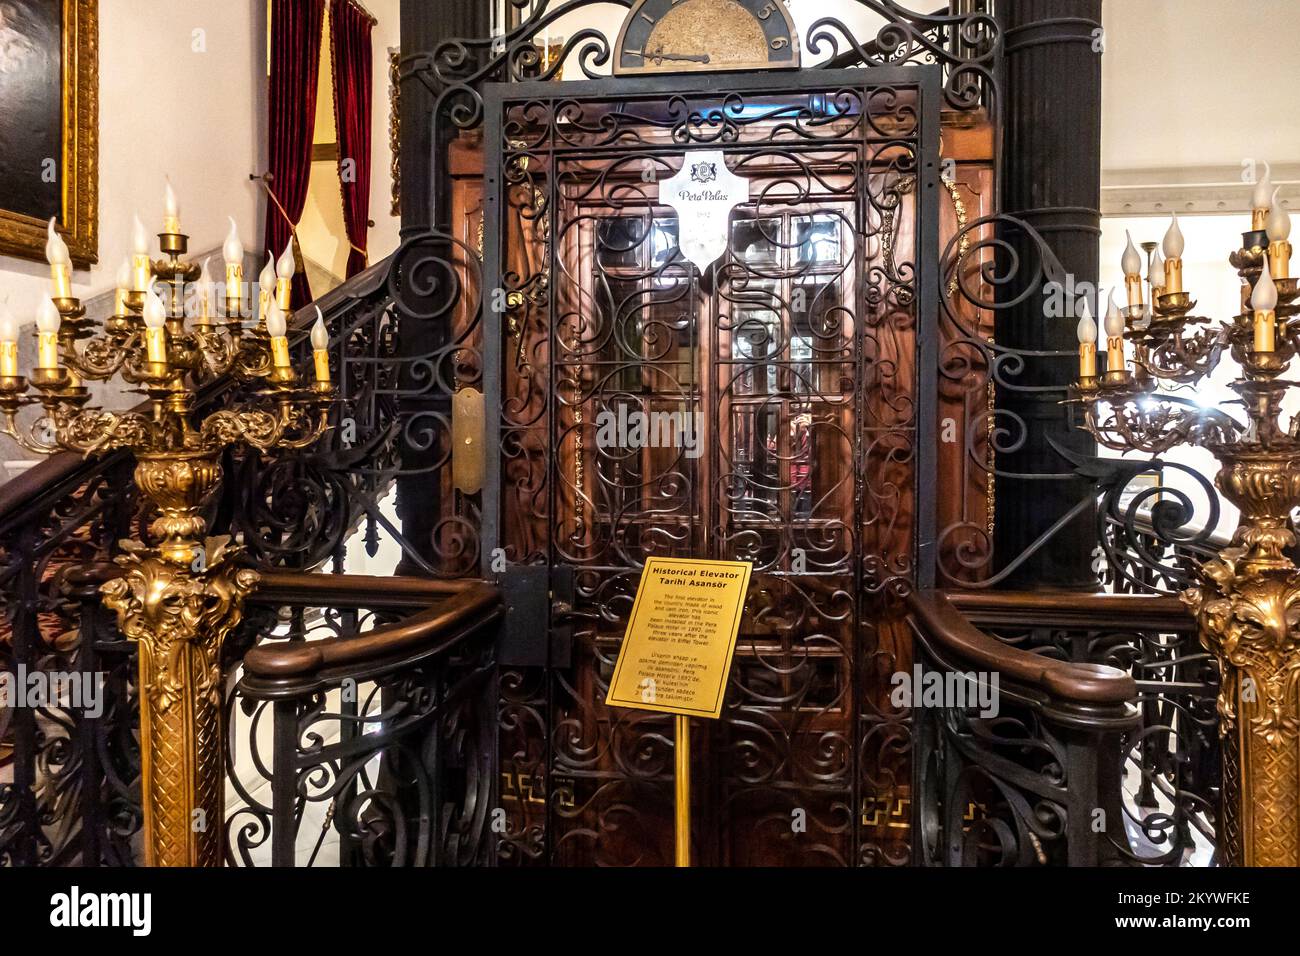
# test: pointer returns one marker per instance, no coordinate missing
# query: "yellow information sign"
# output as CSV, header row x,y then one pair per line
x,y
680,640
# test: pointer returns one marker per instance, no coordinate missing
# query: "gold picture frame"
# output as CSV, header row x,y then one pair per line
x,y
22,235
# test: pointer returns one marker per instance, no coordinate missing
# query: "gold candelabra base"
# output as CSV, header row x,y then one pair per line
x,y
1248,612
178,602
1248,620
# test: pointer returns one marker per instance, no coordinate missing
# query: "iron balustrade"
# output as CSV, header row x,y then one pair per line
x,y
1104,747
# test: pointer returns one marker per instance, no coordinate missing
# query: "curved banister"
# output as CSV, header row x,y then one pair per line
x,y
286,668
940,622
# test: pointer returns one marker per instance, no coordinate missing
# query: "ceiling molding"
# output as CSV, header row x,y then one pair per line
x,y
1198,190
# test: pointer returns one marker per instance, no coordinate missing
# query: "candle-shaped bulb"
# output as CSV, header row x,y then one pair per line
x,y
275,322
1114,320
203,307
1263,192
139,238
1173,241
1279,220
1087,326
155,313
1264,298
155,331
47,324
1131,261
47,316
1156,272
56,250
8,343
171,209
266,281
124,276
320,336
232,250
284,267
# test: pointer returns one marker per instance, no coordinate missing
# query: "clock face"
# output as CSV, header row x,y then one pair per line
x,y
675,36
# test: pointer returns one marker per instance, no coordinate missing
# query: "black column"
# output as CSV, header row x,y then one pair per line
x,y
1050,177
426,195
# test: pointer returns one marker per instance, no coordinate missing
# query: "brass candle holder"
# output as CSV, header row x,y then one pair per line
x,y
181,593
1248,601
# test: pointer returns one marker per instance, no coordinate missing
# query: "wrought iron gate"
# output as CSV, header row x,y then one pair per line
x,y
784,400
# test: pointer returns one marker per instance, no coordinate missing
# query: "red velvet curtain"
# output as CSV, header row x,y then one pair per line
x,y
295,69
352,59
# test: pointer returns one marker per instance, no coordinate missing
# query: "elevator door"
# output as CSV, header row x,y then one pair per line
x,y
765,408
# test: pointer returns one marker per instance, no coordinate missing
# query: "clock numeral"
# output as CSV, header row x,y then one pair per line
x,y
766,12
645,16
780,43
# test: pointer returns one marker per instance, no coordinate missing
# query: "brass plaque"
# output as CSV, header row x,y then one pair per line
x,y
681,637
468,456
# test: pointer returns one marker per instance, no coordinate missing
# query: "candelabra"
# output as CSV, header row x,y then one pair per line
x,y
1248,599
179,596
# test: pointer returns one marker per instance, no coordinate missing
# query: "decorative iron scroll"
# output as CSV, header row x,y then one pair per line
x,y
1148,531
795,356
1009,789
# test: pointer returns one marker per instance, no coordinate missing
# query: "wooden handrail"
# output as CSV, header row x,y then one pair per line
x,y
1073,609
938,619
354,590
291,668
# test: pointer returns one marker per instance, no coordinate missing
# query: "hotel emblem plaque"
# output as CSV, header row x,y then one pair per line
x,y
703,193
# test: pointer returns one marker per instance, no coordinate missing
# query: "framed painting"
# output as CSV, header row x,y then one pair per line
x,y
49,126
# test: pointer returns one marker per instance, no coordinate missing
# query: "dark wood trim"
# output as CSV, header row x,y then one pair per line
x,y
291,669
941,625
1072,609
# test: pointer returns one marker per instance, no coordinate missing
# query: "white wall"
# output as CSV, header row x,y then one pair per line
x,y
1198,82
207,141
384,234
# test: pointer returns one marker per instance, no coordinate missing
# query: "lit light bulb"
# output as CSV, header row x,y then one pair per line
x,y
275,323
266,280
204,294
1173,242
155,332
1087,328
1156,273
320,336
284,267
171,209
1114,321
141,267
47,324
1263,192
139,238
1264,298
155,313
232,250
1131,261
56,250
320,342
48,317
1279,220
8,343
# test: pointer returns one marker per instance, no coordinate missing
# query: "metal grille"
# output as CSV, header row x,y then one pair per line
x,y
782,399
